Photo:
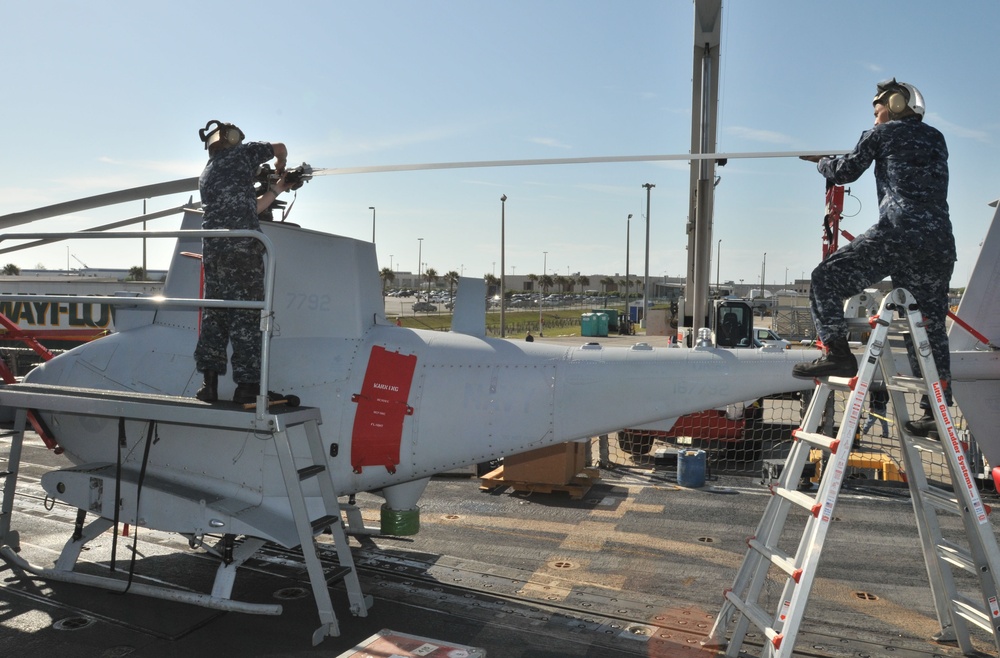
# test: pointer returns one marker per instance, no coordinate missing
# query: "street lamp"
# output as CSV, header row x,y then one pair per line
x,y
503,270
628,238
372,208
645,281
420,262
718,263
763,267
545,257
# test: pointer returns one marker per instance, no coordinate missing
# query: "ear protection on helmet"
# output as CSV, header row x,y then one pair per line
x,y
225,133
896,102
899,98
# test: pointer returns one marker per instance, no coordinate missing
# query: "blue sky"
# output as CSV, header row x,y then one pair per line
x,y
101,96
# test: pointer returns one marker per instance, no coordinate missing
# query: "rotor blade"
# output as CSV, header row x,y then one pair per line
x,y
562,161
191,184
105,227
109,199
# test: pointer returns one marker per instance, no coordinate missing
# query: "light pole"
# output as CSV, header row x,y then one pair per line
x,y
718,264
763,267
420,262
645,280
545,258
503,270
372,208
628,239
144,270
390,263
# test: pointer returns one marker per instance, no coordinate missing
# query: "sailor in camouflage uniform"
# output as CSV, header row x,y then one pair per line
x,y
912,242
234,267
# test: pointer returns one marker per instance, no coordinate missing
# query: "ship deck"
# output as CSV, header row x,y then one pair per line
x,y
634,566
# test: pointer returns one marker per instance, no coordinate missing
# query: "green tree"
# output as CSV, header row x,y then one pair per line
x,y
546,282
136,273
584,281
387,276
431,277
451,278
492,284
11,269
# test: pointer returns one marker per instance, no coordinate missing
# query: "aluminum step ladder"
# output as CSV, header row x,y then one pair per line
x,y
898,316
308,528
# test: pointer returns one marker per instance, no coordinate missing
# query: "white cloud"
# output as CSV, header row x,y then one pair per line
x,y
548,141
170,167
950,129
755,135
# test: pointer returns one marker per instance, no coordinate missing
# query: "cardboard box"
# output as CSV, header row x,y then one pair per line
x,y
401,645
557,464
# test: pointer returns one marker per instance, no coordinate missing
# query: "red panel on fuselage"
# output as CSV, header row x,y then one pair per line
x,y
382,407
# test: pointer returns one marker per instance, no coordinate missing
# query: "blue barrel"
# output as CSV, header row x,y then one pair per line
x,y
691,468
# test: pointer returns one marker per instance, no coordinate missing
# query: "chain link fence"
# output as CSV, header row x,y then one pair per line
x,y
755,441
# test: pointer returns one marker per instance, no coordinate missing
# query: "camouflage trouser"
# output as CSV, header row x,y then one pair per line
x,y
922,270
234,270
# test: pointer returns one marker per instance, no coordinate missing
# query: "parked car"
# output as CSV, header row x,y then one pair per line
x,y
764,336
424,306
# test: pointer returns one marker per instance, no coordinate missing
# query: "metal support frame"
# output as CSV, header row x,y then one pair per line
x,y
265,306
187,411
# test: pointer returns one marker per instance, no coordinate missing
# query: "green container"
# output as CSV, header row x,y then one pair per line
x,y
399,523
602,324
589,324
612,317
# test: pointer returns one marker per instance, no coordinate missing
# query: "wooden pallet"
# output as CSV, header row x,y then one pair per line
x,y
577,488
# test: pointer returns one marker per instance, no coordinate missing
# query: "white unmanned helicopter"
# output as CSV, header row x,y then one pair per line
x,y
396,405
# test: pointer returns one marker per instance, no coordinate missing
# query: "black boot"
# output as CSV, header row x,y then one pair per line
x,y
209,391
837,362
925,426
247,393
